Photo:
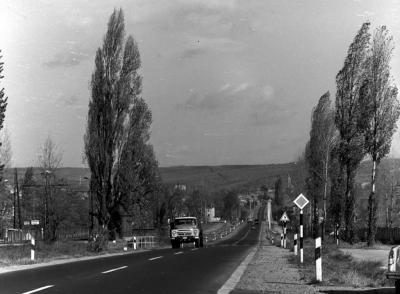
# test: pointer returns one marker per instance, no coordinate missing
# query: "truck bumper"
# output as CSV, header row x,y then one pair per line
x,y
188,239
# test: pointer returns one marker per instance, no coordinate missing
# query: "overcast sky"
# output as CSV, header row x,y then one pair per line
x,y
228,82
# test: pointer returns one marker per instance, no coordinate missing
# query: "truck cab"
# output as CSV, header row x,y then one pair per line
x,y
185,230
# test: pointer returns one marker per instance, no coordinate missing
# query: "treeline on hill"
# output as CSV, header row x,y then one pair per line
x,y
359,126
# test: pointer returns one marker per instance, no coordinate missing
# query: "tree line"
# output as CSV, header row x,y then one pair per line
x,y
360,125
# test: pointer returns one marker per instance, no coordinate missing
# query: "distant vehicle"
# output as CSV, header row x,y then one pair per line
x,y
186,230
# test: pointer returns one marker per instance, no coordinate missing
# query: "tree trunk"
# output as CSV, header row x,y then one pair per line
x,y
325,193
349,206
372,208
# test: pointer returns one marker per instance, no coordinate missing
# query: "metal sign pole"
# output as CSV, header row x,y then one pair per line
x,y
301,236
284,234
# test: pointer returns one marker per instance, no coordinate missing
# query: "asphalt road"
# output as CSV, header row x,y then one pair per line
x,y
185,270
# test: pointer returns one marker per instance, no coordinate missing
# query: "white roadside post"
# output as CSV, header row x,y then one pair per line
x,y
281,240
318,260
301,236
284,220
295,244
134,243
301,201
32,248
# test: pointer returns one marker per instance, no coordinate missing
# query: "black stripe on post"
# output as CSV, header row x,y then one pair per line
x,y
317,253
294,242
301,243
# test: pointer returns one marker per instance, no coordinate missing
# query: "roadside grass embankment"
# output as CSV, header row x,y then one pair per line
x,y
45,252
338,268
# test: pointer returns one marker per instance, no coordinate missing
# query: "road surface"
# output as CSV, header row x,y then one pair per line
x,y
185,270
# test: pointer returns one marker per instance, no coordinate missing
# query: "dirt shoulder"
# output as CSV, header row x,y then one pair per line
x,y
270,271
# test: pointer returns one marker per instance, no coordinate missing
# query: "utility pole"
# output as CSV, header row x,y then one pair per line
x,y
15,200
18,201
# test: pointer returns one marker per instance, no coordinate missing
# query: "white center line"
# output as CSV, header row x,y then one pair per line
x,y
180,252
155,258
193,249
38,289
114,269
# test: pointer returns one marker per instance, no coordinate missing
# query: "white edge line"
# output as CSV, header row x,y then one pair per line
x,y
231,283
114,269
180,252
38,289
154,258
193,249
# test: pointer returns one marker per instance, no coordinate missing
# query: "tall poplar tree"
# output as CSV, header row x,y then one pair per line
x,y
381,110
3,106
320,144
120,158
351,151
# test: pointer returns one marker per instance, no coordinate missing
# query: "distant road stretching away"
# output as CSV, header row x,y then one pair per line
x,y
185,270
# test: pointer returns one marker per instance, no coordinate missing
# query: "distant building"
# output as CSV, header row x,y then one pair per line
x,y
210,215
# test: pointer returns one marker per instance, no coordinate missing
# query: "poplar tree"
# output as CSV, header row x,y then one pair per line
x,y
3,106
120,159
320,144
380,109
351,150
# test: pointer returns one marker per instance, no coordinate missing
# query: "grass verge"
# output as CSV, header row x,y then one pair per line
x,y
340,269
20,254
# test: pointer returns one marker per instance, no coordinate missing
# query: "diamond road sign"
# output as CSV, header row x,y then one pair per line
x,y
301,201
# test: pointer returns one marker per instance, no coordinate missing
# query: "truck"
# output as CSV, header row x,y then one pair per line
x,y
186,230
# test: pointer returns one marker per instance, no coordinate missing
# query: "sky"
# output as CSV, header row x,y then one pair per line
x,y
228,82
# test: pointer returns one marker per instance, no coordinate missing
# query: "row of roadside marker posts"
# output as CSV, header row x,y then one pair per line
x,y
301,201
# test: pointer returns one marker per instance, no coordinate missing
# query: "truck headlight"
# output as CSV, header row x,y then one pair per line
x,y
174,233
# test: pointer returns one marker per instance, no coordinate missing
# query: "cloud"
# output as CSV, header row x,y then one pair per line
x,y
236,97
192,53
243,103
66,59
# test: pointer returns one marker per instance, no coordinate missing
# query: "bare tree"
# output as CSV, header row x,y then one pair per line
x,y
50,157
380,111
49,160
347,119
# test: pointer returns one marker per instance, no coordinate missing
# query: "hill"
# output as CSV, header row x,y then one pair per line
x,y
242,177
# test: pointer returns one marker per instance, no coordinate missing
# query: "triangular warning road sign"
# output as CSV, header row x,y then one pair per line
x,y
284,217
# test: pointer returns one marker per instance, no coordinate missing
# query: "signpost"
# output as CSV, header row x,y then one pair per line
x,y
301,201
284,219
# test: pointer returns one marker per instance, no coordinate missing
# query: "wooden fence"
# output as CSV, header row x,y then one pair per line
x,y
383,235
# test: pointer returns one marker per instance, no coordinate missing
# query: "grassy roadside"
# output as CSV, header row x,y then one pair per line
x,y
20,255
340,269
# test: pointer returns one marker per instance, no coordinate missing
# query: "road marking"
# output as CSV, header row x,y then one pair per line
x,y
231,283
193,249
114,269
180,252
154,258
38,289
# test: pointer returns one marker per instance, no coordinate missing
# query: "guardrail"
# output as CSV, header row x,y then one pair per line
x,y
221,233
142,242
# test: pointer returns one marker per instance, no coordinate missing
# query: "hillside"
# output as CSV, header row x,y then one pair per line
x,y
242,177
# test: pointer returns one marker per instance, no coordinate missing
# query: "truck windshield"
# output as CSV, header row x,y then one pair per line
x,y
185,221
